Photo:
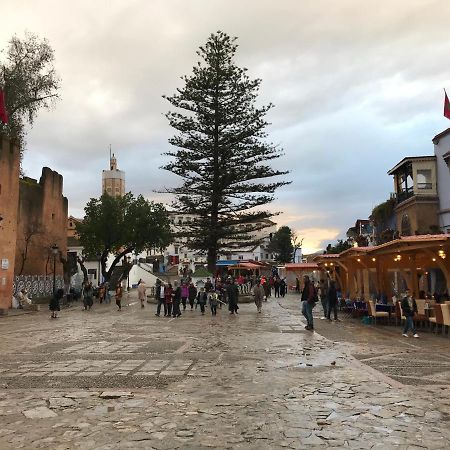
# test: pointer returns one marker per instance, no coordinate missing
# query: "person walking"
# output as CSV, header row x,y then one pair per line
x,y
283,287
168,300
160,298
119,295
176,300
332,301
322,292
184,294
409,309
233,297
142,287
107,293
54,303
208,285
192,294
258,292
297,285
266,286
87,293
309,297
201,299
101,293
276,286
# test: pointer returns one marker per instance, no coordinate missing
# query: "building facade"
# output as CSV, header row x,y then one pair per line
x,y
415,184
33,219
442,153
113,180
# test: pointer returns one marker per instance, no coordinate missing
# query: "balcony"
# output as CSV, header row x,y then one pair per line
x,y
405,194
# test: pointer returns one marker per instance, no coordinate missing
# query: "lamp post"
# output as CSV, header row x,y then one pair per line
x,y
55,251
128,275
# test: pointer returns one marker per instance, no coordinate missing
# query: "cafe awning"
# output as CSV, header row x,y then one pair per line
x,y
246,265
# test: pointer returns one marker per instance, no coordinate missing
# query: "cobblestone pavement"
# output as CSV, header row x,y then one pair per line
x,y
108,380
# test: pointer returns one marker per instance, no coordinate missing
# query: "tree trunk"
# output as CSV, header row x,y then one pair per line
x,y
211,260
83,269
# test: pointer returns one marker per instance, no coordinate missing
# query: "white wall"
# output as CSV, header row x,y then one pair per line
x,y
443,182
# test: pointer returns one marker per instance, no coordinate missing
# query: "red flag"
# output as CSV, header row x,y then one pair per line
x,y
446,106
4,114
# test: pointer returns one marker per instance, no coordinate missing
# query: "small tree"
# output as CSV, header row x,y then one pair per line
x,y
120,226
30,82
221,153
282,246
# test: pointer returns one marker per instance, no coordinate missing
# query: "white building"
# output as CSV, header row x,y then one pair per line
x,y
442,152
178,254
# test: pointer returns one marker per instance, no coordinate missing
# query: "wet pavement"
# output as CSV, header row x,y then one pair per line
x,y
108,380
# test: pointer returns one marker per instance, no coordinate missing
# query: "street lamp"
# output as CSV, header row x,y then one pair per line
x,y
55,251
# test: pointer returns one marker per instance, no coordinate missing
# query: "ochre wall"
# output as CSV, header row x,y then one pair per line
x,y
42,220
422,213
9,197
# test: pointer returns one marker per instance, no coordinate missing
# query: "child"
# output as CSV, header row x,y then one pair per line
x,y
119,293
213,302
201,300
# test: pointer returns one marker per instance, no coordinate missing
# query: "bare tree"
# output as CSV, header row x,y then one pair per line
x,y
33,229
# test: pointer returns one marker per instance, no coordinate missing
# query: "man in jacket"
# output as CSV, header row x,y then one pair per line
x,y
409,308
308,302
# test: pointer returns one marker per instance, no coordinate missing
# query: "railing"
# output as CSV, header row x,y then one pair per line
x,y
404,195
37,285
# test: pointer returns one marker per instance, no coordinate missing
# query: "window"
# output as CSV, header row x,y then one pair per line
x,y
176,249
241,257
256,258
424,179
267,256
93,273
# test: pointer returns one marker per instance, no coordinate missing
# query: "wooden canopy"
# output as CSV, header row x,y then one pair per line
x,y
412,260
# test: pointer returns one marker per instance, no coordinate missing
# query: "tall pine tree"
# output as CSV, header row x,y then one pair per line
x,y
221,153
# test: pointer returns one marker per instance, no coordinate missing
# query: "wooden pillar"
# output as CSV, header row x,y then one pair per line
x,y
366,283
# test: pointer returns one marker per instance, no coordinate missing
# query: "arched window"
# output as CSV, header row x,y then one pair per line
x,y
406,225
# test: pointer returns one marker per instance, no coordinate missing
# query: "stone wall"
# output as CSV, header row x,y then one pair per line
x,y
9,198
42,222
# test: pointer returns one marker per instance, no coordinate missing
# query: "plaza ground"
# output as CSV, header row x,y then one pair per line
x,y
108,380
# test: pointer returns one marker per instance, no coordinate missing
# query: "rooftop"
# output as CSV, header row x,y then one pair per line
x,y
410,159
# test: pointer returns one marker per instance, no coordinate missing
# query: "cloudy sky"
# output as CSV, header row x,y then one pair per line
x,y
356,85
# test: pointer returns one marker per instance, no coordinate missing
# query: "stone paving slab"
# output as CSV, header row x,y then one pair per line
x,y
228,382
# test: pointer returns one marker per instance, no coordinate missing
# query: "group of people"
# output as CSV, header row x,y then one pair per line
x,y
326,292
170,299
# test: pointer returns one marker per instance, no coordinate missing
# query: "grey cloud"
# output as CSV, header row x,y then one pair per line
x,y
357,86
